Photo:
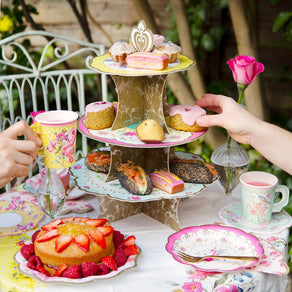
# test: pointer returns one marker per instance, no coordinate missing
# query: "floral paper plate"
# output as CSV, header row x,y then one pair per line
x,y
215,240
24,269
94,182
231,215
18,217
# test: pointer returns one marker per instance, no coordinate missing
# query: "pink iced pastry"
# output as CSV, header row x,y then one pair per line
x,y
120,50
167,181
143,60
99,115
98,106
188,113
158,39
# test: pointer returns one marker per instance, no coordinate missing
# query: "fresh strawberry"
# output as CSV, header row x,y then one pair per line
x,y
44,271
110,262
118,237
95,222
120,257
68,219
82,241
62,242
98,237
60,270
89,269
80,219
52,225
105,230
131,250
129,240
48,235
27,250
73,272
35,235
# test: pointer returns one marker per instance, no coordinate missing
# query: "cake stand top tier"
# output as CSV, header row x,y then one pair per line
x,y
105,64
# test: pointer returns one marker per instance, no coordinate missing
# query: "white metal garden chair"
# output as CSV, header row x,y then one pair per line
x,y
45,83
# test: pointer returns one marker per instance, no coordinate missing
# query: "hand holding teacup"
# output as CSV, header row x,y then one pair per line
x,y
258,191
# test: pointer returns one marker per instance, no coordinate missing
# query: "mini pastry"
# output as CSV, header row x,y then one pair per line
x,y
134,179
158,39
142,60
98,160
183,117
191,171
167,181
150,131
120,50
99,115
170,49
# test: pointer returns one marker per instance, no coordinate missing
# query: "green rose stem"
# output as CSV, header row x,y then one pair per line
x,y
48,192
241,88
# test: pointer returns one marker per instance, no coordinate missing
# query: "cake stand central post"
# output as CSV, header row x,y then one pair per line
x,y
140,98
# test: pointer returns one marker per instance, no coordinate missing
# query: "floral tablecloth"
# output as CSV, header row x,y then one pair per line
x,y
156,269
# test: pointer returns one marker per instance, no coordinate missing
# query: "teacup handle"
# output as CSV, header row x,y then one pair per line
x,y
37,128
277,207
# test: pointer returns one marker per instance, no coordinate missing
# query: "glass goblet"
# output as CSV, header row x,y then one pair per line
x,y
51,194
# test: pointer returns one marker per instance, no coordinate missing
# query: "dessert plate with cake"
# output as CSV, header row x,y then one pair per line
x,y
77,250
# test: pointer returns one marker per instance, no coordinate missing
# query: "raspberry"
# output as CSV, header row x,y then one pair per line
x,y
120,257
103,269
89,269
73,272
118,237
35,235
34,262
27,250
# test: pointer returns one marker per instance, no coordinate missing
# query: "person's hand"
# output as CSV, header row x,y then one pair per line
x,y
16,155
238,122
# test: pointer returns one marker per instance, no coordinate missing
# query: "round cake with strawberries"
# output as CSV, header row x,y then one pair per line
x,y
78,247
73,241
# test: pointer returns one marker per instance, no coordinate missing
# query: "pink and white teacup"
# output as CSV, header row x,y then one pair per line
x,y
258,190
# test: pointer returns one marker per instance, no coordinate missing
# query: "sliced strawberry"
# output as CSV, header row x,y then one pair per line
x,y
44,271
98,237
52,225
67,219
48,235
62,242
95,222
110,263
80,219
105,230
82,241
129,240
60,270
131,250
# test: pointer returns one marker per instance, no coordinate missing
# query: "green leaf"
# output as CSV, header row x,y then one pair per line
x,y
281,19
208,42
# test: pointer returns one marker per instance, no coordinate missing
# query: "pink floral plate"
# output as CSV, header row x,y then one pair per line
x,y
18,217
215,240
24,269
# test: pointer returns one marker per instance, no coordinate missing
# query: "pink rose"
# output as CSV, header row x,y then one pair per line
x,y
245,69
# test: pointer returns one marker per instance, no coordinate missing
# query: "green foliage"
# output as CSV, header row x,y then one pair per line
x,y
284,20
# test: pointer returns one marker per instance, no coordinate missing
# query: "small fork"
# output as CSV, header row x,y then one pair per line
x,y
193,259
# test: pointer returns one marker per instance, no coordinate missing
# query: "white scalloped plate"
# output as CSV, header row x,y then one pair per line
x,y
24,269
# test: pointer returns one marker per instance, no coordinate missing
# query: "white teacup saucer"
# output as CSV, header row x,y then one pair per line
x,y
231,215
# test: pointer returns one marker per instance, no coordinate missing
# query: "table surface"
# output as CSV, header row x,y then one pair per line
x,y
156,270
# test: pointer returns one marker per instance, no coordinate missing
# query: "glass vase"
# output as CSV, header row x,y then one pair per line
x,y
51,193
230,160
